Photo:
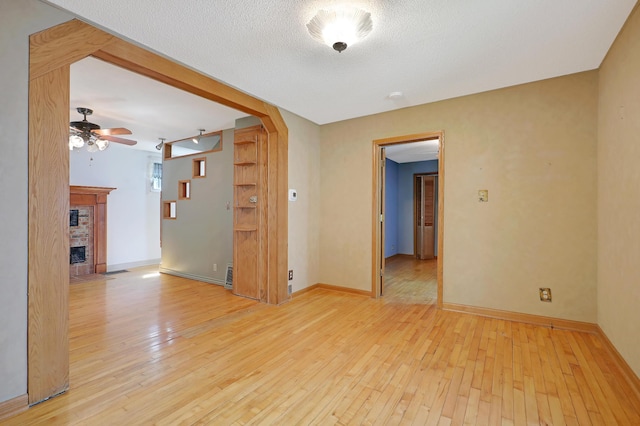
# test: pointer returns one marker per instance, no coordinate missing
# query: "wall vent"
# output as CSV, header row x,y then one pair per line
x,y
228,281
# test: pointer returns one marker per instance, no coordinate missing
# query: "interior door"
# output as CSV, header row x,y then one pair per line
x,y
424,201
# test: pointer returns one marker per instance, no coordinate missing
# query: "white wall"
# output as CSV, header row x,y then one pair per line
x,y
18,19
133,211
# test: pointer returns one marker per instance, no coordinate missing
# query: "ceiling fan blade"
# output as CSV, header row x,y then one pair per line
x,y
112,131
118,140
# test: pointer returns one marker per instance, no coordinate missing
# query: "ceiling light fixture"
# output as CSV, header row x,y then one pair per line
x,y
161,144
83,133
197,138
340,28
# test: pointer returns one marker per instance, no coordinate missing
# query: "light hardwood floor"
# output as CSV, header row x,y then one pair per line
x,y
165,350
408,280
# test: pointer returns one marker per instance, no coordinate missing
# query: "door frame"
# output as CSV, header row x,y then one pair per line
x,y
51,52
377,230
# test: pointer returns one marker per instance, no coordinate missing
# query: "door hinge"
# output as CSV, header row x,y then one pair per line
x,y
381,218
381,272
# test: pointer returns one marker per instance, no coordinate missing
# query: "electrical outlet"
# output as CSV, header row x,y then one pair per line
x,y
545,294
290,274
215,267
483,195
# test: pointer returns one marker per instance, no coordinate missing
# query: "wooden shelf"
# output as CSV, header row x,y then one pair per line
x,y
244,163
245,229
245,207
243,142
245,184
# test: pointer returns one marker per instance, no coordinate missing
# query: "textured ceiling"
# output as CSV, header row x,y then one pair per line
x,y
427,49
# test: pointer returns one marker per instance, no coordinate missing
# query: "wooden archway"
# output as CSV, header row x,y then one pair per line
x,y
51,53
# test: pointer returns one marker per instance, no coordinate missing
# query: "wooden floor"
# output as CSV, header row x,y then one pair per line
x,y
166,350
408,280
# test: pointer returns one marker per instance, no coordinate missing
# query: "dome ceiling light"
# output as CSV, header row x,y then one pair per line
x,y
340,28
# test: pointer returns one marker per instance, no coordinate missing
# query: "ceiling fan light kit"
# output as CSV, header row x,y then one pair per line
x,y
340,28
83,133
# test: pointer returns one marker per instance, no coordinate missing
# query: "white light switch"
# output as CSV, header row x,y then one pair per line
x,y
483,195
293,195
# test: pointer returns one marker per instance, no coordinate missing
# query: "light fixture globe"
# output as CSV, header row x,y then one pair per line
x,y
75,141
340,28
102,144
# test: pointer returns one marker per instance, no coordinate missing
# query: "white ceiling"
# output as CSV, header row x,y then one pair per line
x,y
412,152
150,109
427,49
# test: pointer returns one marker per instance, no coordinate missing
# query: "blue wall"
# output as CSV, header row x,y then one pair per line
x,y
391,208
399,205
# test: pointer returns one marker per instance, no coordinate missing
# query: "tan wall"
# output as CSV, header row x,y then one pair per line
x,y
619,193
533,147
304,214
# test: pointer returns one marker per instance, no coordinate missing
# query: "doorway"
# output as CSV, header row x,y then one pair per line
x,y
51,53
379,214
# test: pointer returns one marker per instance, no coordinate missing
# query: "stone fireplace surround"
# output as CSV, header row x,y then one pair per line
x,y
91,199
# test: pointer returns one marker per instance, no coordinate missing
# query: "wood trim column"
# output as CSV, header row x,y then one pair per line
x,y
48,262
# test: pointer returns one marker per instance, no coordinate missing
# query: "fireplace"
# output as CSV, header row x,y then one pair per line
x,y
78,255
88,230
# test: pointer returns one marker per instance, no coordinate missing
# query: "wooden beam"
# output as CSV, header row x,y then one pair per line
x,y
152,65
62,45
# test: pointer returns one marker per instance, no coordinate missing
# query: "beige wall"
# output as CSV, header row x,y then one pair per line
x,y
533,147
619,193
304,214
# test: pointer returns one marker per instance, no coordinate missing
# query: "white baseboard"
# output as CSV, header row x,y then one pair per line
x,y
209,280
121,266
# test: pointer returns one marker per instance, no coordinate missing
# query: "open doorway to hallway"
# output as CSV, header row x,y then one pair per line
x,y
407,229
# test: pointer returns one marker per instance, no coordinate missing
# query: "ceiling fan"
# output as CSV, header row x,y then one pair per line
x,y
84,132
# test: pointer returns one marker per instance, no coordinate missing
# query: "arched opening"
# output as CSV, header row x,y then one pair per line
x,y
51,53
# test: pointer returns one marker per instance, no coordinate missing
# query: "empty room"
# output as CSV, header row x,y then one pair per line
x,y
255,257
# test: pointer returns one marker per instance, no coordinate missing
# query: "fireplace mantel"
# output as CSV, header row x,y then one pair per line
x,y
96,197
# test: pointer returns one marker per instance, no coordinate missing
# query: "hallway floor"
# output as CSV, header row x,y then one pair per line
x,y
408,280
